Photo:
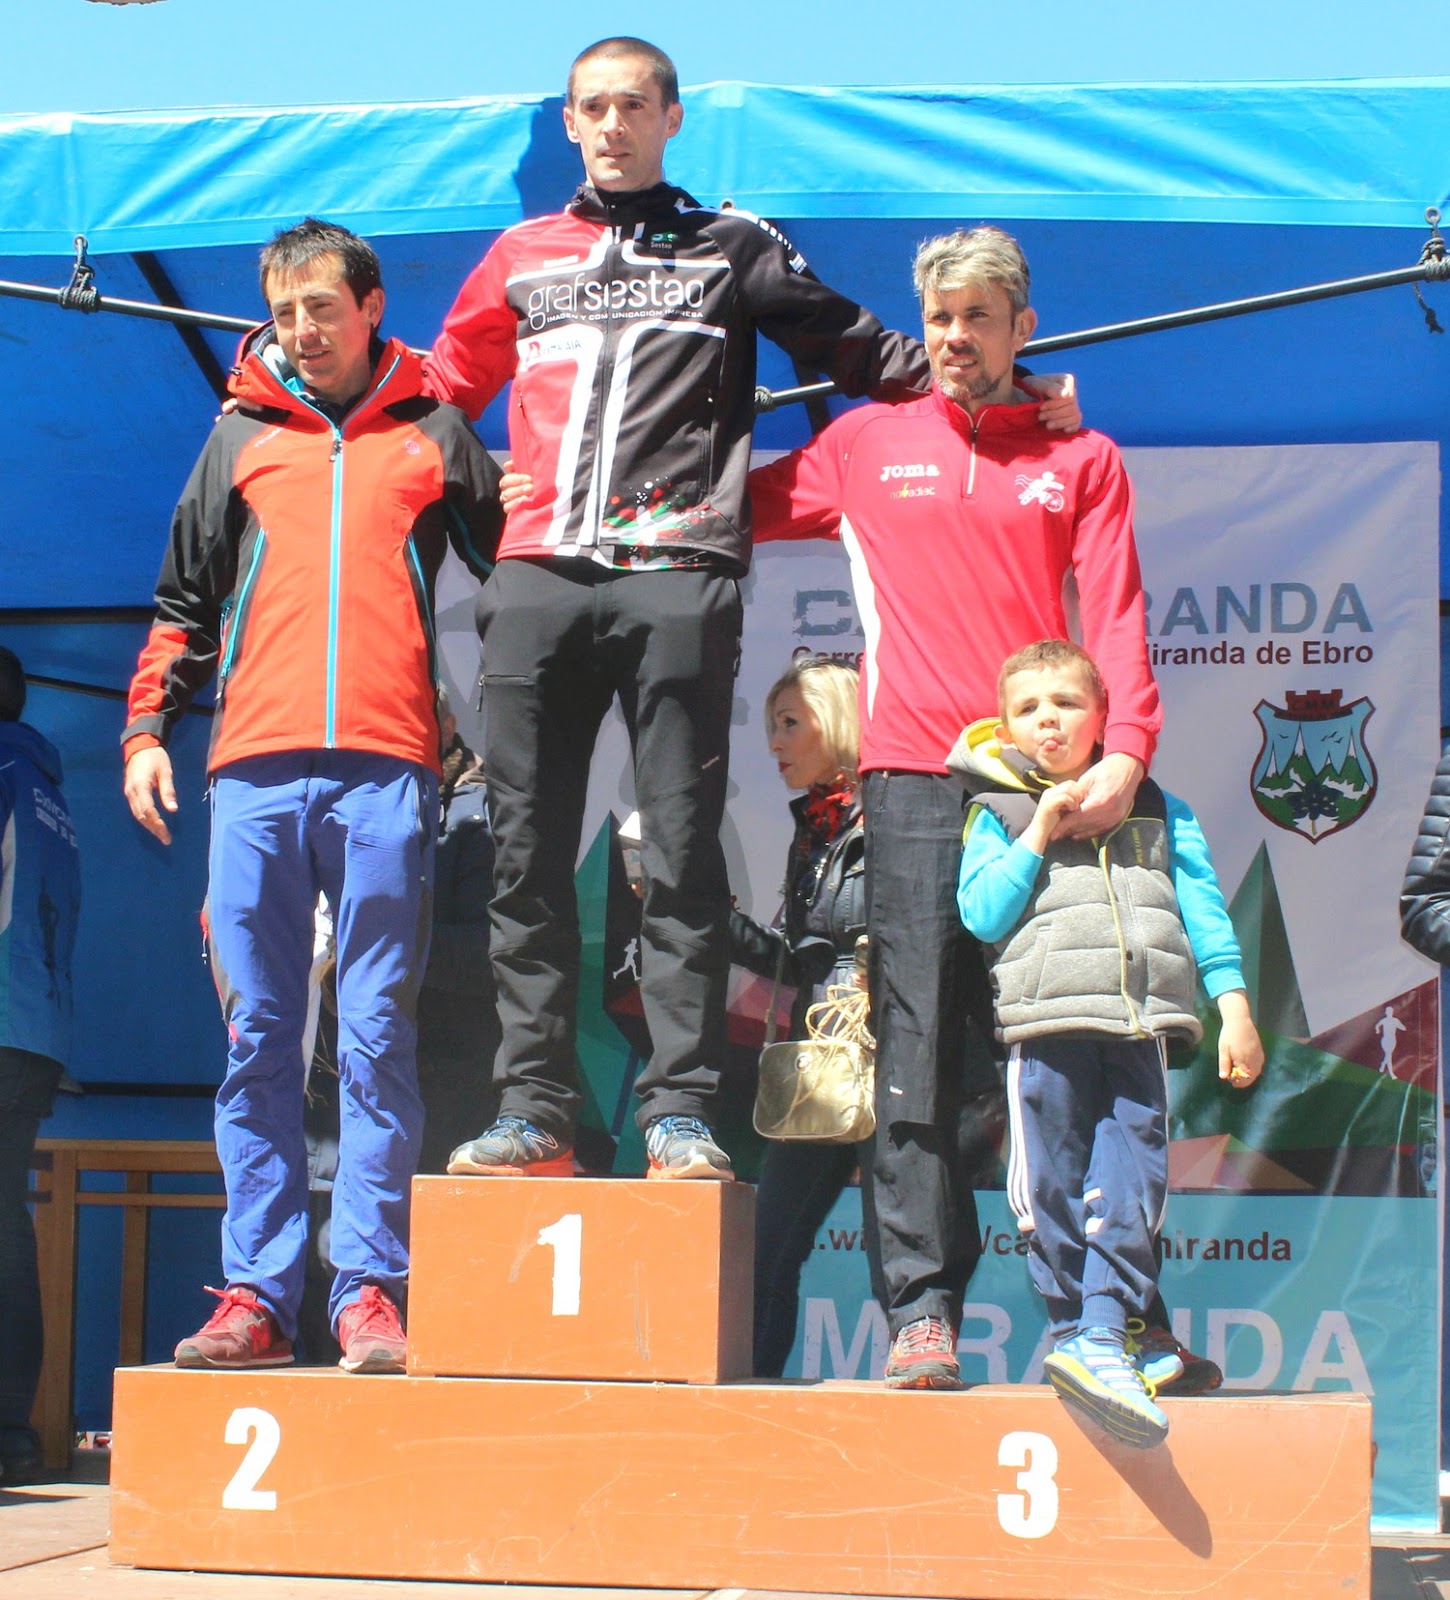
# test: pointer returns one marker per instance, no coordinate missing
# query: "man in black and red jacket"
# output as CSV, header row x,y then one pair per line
x,y
627,324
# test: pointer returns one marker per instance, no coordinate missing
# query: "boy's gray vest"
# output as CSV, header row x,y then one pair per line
x,y
1101,947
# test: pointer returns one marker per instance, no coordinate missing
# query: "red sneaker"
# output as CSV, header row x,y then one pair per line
x,y
924,1356
370,1332
242,1332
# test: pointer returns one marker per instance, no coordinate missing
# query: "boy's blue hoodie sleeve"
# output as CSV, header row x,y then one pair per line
x,y
996,877
1200,901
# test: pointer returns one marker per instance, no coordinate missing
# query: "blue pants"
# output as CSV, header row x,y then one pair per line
x,y
1088,1173
360,829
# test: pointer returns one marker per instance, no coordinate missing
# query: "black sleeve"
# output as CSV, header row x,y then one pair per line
x,y
1425,896
475,515
817,326
198,576
757,948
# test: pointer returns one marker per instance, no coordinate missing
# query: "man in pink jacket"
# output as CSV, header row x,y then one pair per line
x,y
962,516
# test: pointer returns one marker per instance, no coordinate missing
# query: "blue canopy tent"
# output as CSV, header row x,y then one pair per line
x,y
1129,199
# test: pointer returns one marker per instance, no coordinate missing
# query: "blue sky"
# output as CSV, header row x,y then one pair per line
x,y
78,55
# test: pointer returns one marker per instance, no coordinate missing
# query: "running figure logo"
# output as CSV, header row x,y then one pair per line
x,y
1043,491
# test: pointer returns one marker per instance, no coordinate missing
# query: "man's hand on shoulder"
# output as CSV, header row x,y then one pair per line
x,y
149,788
1059,410
1107,789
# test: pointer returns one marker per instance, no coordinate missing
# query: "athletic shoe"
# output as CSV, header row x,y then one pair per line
x,y
371,1334
242,1332
1166,1364
513,1148
683,1147
924,1356
1092,1371
1154,1352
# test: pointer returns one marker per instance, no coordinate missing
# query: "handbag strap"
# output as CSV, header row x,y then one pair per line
x,y
775,988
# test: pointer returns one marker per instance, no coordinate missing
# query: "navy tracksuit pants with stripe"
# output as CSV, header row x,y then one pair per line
x,y
1088,1172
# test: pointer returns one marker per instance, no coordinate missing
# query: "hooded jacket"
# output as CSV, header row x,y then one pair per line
x,y
1101,935
627,324
40,896
301,566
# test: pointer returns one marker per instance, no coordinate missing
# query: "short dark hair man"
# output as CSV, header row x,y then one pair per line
x,y
300,570
40,894
965,516
627,324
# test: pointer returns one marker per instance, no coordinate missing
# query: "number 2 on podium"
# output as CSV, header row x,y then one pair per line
x,y
566,1239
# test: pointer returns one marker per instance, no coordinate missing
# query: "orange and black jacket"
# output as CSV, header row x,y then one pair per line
x,y
301,568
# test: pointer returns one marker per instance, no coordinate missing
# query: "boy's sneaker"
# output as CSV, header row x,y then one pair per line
x,y
1092,1370
513,1148
683,1147
924,1356
241,1332
1166,1364
370,1332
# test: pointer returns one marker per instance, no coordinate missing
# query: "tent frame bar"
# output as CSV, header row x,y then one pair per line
x,y
1433,266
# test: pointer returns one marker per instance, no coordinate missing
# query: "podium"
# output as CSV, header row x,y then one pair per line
x,y
662,1466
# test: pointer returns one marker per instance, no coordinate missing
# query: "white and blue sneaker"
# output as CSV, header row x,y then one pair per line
x,y
1091,1370
683,1147
513,1148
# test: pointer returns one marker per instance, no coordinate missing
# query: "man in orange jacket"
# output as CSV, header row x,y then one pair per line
x,y
300,570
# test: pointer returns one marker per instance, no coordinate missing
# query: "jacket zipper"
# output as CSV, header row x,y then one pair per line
x,y
1134,1016
334,575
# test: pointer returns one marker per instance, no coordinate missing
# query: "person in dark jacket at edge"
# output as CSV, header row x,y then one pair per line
x,y
40,896
1425,893
627,324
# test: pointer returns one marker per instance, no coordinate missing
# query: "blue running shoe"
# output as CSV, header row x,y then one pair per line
x,y
1155,1353
683,1147
1091,1370
513,1148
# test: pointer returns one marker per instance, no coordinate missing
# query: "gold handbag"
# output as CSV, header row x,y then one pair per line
x,y
821,1089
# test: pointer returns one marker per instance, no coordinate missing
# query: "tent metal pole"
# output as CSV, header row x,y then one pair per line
x,y
1433,266
158,280
1422,272
136,308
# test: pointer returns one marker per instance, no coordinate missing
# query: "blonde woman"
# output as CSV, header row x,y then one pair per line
x,y
813,730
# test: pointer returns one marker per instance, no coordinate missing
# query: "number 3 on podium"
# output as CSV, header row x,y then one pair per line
x,y
1031,1513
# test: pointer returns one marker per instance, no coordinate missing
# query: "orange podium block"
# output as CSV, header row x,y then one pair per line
x,y
612,1278
994,1493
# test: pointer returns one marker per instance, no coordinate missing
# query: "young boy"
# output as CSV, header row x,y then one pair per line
x,y
1094,946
